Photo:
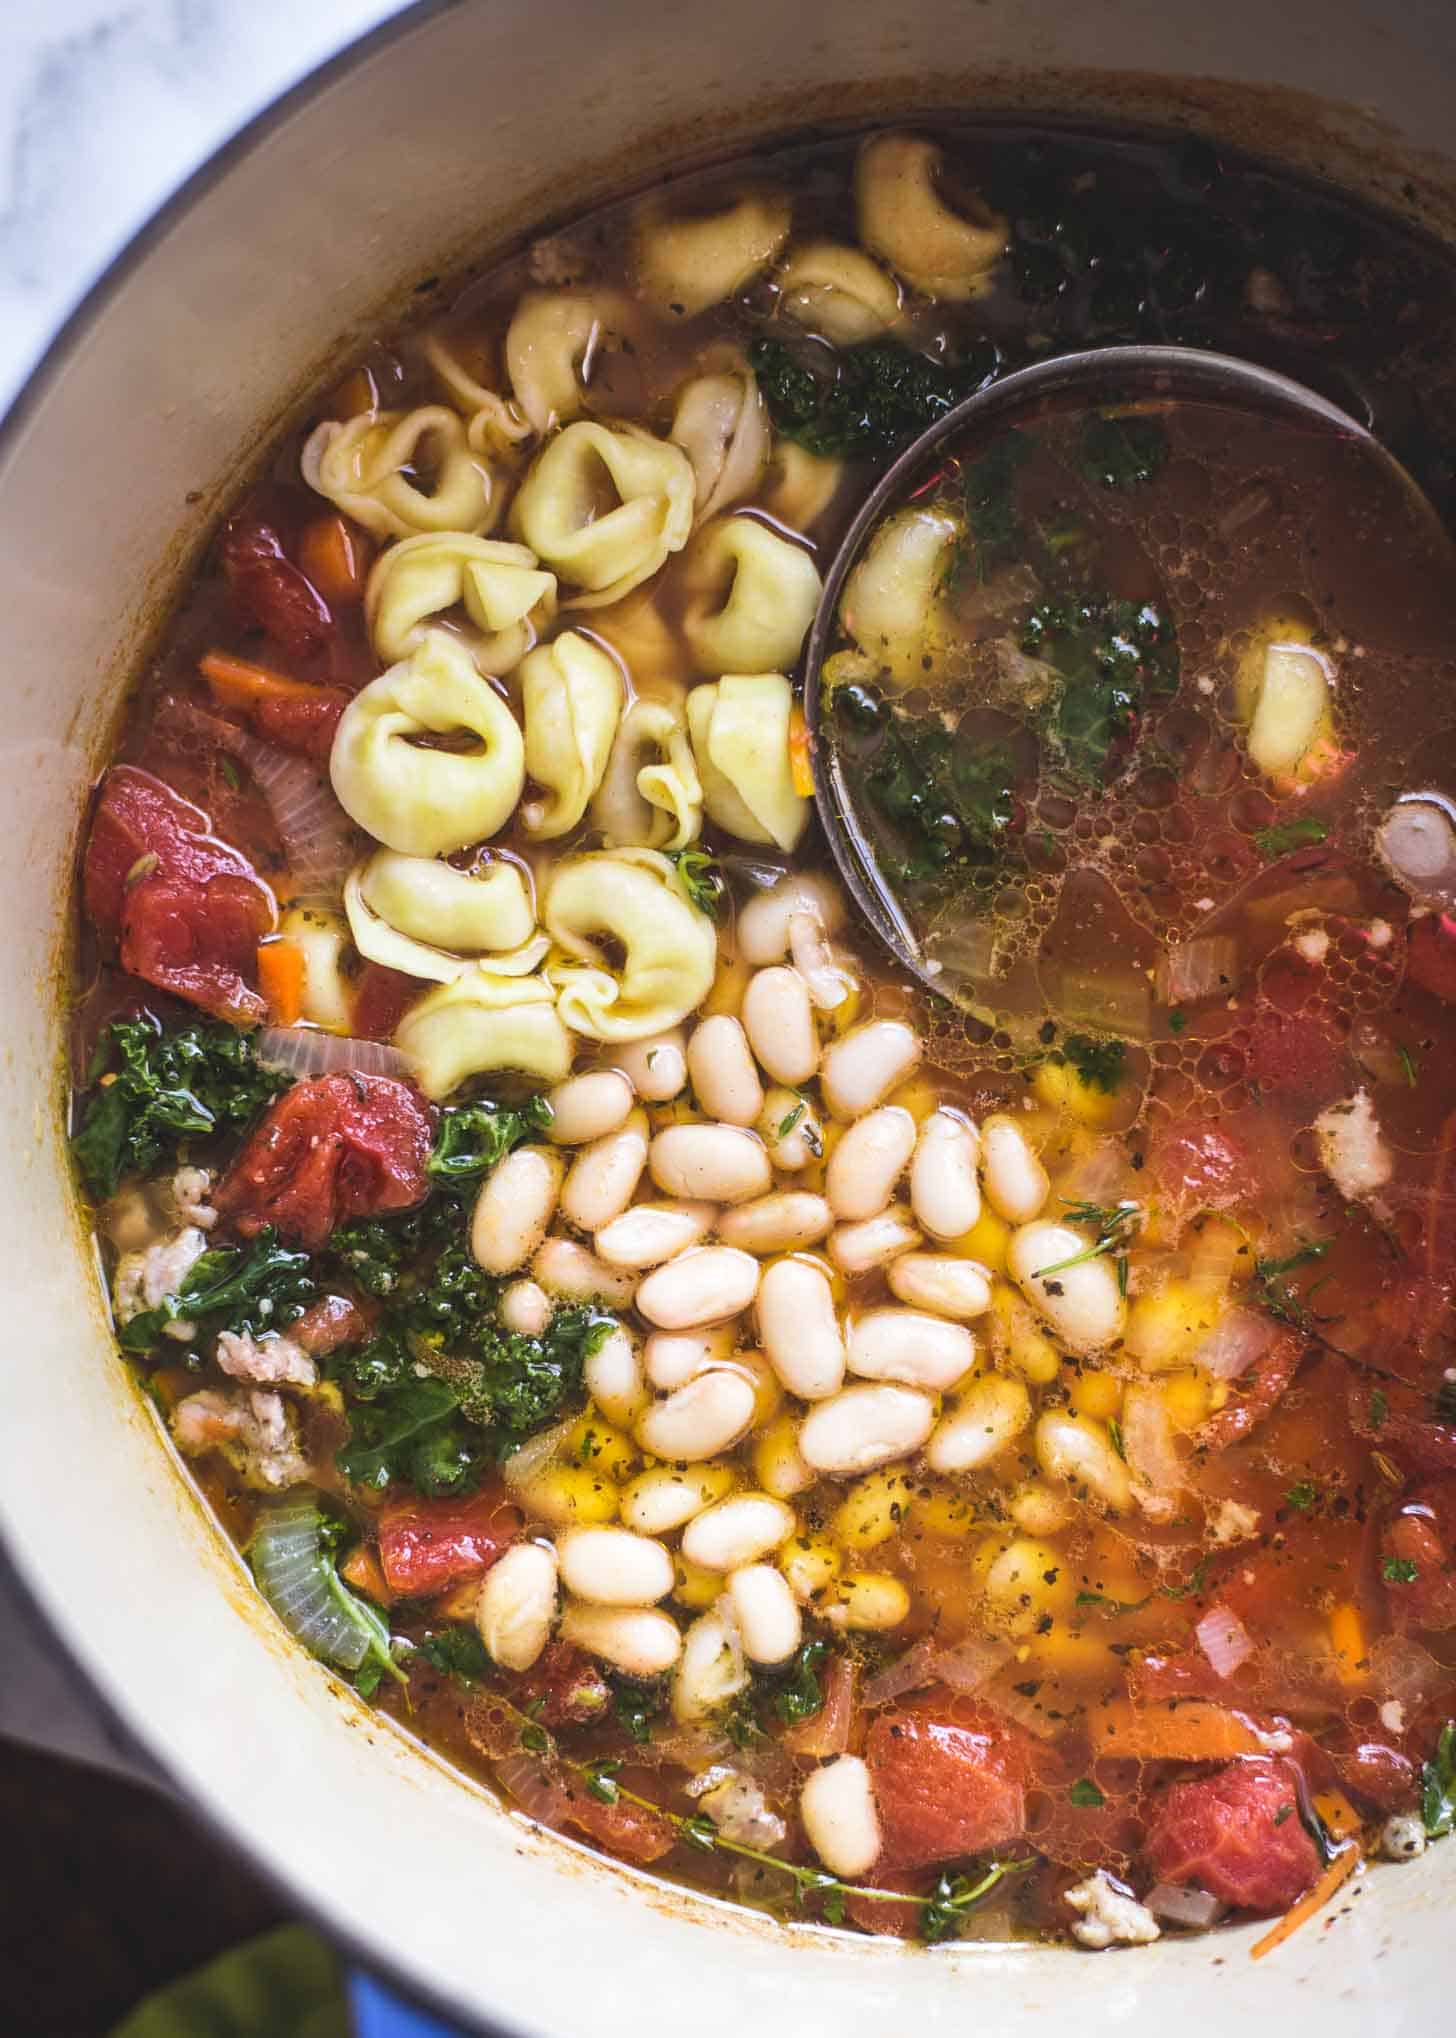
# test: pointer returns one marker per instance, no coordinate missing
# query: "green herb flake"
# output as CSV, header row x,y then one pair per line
x,y
1113,657
1399,1571
1085,1795
601,1782
791,1119
1438,1786
699,879
1303,1496
1379,1408
1114,1430
1287,835
1100,1063
1285,1811
1410,1065
1120,450
535,1739
1177,1020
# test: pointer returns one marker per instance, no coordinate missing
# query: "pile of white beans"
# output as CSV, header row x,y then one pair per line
x,y
745,1381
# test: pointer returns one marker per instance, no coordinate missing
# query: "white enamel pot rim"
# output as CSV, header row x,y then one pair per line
x,y
453,126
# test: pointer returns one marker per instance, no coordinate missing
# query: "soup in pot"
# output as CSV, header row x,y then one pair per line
x,y
944,1466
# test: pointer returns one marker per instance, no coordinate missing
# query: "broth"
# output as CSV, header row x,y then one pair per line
x,y
948,1467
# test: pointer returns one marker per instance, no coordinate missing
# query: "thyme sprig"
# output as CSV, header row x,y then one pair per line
x,y
1116,1224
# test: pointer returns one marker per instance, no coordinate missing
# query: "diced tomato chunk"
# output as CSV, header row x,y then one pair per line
x,y
187,908
1237,1834
1419,1551
329,1149
268,589
382,999
306,726
427,1545
630,1831
1431,955
1295,1056
1266,1386
564,1687
947,1783
891,1921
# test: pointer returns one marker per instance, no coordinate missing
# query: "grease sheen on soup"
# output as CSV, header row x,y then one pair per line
x,y
941,1469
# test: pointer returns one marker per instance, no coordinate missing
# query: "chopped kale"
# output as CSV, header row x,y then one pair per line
x,y
1112,657
153,1091
262,1286
1438,1785
878,397
473,1137
636,1706
1399,1571
1303,1496
950,806
1278,841
1120,451
413,1432
457,1651
1101,1063
797,1693
990,485
700,879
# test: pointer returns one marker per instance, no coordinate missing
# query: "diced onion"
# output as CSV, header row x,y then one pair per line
x,y
1205,967
970,1664
302,1051
1196,1909
299,1582
907,1673
1417,844
1152,1457
534,1793
1224,1639
1237,1340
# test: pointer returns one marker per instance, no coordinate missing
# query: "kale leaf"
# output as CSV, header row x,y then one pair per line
x,y
990,483
949,804
880,396
1112,656
1120,451
458,1652
1278,841
262,1286
152,1091
1100,1063
473,1137
1438,1785
412,1432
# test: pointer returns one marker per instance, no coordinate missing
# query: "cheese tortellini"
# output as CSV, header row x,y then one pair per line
x,y
360,466
838,292
421,800
891,601
416,914
554,339
690,262
485,1023
571,697
507,597
721,424
494,424
751,597
798,486
740,731
604,505
663,951
904,220
651,796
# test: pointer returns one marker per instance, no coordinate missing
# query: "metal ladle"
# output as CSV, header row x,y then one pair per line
x,y
1106,378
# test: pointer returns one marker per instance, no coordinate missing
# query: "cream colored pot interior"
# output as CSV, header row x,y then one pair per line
x,y
452,132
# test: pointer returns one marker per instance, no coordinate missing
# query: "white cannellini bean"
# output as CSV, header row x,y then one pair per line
x,y
813,955
663,1498
709,1163
712,1669
865,1426
526,1308
867,1163
907,1346
613,1378
785,1221
657,1068
704,1416
702,1286
639,1641
588,1106
1040,1509
517,1605
614,1567
721,1068
945,1194
1082,1303
767,1613
789,1127
989,1415
855,1248
1016,1183
1080,1451
650,1233
604,1176
761,933
941,1283
799,1326
737,1531
778,1017
860,1070
673,1356
568,1270
837,1807
870,1601
516,1203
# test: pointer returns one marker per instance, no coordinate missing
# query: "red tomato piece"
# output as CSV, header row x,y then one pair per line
x,y
1419,1557
1268,1383
1237,1834
566,1684
630,1831
382,999
1431,955
331,1148
188,909
891,1921
268,590
304,726
1199,1165
1295,1056
947,1786
426,1546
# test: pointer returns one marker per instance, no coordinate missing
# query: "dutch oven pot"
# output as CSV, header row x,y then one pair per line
x,y
442,136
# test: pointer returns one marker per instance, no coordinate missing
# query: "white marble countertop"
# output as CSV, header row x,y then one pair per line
x,y
106,106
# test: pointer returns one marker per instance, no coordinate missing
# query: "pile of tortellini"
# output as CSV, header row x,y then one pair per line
x,y
532,679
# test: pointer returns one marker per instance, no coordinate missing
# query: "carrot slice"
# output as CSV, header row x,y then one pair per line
x,y
801,762
362,1569
1182,1730
1339,1815
332,555
281,971
1347,1640
239,683
1314,1899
